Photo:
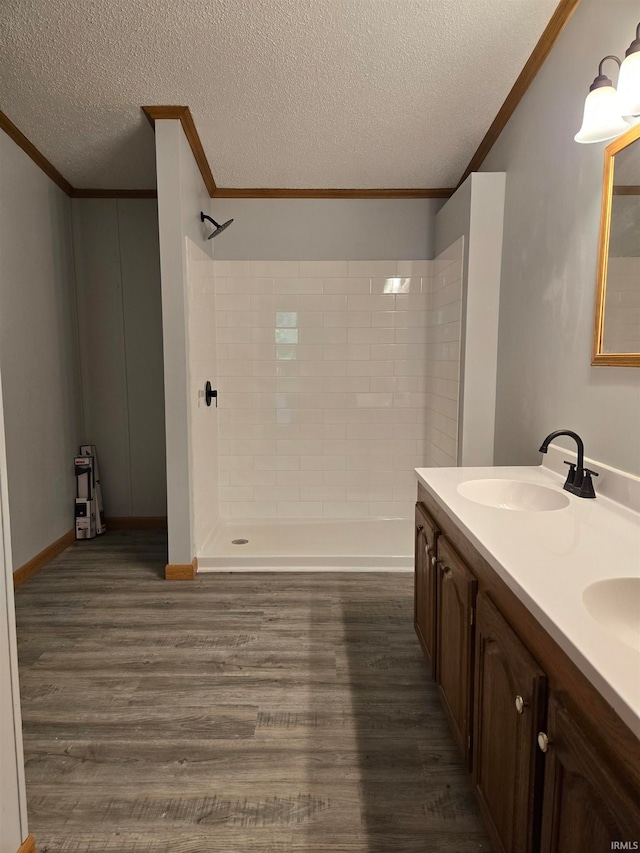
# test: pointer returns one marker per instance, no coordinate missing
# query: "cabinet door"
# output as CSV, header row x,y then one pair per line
x,y
585,806
424,613
455,601
509,708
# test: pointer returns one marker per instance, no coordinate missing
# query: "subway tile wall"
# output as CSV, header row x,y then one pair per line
x,y
622,309
335,380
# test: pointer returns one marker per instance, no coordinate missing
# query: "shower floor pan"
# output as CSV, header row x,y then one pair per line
x,y
368,544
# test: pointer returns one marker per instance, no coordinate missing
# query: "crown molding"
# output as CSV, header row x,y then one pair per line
x,y
556,25
274,192
81,192
183,114
51,172
30,149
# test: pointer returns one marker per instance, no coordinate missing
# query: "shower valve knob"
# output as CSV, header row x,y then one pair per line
x,y
210,394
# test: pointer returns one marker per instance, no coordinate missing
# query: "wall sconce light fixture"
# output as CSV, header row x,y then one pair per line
x,y
629,79
605,108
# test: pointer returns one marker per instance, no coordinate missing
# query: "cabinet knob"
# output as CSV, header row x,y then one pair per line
x,y
434,561
543,741
446,572
420,528
520,704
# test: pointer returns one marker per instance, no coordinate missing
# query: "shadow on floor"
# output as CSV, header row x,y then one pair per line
x,y
416,795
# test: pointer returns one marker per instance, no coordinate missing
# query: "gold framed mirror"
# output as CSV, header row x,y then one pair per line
x,y
616,334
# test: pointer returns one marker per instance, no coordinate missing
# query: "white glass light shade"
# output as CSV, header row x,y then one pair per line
x,y
629,85
602,116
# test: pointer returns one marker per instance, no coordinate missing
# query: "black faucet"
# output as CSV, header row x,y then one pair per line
x,y
578,480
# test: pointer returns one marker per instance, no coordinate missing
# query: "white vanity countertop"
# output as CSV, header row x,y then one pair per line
x,y
548,558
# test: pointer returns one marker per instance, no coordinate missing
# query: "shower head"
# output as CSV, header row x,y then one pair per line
x,y
219,228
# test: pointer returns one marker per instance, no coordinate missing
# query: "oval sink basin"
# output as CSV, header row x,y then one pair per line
x,y
615,604
513,495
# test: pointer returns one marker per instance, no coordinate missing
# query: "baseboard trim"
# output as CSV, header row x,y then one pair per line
x,y
28,845
137,522
302,569
181,571
32,566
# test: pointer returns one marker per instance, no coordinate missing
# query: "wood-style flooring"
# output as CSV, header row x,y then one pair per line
x,y
274,713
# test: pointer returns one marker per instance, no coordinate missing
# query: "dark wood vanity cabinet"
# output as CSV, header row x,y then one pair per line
x,y
554,767
509,711
455,603
424,615
585,805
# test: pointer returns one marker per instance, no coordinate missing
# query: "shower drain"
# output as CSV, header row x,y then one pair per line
x,y
239,541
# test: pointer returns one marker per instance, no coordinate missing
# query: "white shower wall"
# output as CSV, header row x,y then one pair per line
x,y
335,380
444,344
622,326
201,305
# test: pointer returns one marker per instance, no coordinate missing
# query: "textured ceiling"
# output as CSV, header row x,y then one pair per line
x,y
284,93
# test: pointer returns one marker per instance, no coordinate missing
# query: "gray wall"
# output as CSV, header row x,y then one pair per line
x,y
120,327
38,353
454,220
280,229
545,377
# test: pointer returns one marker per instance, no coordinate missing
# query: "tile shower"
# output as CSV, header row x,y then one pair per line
x,y
335,380
622,329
